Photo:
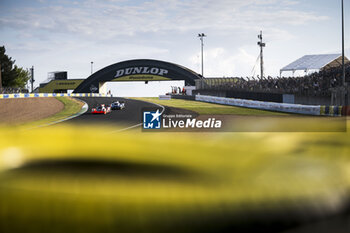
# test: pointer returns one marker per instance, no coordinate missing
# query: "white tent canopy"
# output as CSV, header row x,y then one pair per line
x,y
314,62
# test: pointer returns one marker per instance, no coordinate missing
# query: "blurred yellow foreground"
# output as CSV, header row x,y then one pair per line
x,y
82,179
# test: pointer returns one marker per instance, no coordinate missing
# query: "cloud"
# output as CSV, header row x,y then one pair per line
x,y
219,62
113,18
64,34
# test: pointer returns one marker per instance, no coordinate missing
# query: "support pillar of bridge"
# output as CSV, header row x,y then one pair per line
x,y
103,88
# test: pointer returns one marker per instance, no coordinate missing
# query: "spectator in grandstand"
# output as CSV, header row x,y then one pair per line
x,y
319,83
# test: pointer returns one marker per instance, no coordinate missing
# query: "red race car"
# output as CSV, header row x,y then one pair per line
x,y
102,109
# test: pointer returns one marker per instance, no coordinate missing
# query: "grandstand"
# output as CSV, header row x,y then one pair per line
x,y
319,87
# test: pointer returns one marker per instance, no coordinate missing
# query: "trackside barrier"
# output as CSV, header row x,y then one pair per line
x,y
27,95
334,110
164,97
279,107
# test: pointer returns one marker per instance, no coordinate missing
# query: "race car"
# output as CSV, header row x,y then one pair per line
x,y
118,105
102,109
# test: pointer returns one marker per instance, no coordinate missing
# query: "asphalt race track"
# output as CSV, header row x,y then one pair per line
x,y
130,116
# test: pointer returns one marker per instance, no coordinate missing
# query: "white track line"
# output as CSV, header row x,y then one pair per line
x,y
134,126
81,112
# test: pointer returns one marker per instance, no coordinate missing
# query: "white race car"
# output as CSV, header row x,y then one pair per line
x,y
118,105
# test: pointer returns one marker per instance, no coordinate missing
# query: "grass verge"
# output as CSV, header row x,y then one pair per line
x,y
239,119
71,107
208,108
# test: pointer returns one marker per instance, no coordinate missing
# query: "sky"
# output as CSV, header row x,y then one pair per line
x,y
63,35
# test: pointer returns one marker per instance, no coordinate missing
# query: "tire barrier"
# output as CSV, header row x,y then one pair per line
x,y
316,110
31,95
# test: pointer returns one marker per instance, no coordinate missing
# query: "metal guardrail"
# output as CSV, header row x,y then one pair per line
x,y
317,110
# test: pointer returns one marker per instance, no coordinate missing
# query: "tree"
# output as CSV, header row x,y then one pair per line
x,y
22,77
12,75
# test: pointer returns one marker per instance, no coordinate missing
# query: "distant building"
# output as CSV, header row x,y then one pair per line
x,y
58,82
